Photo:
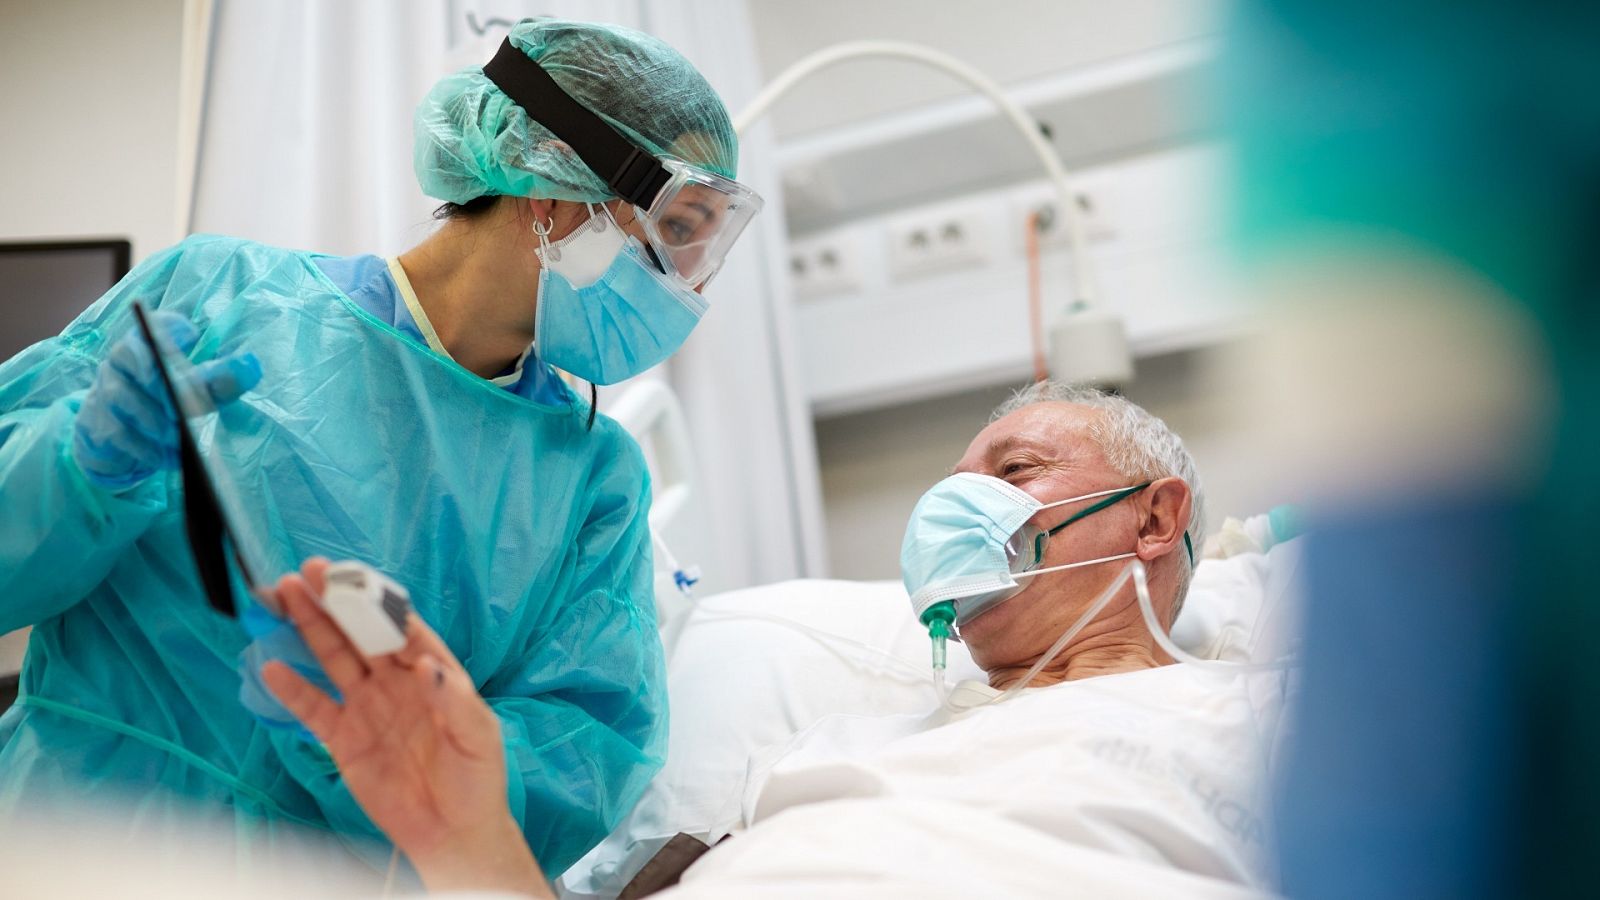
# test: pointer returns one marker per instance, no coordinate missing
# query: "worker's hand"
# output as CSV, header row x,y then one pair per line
x,y
126,428
415,744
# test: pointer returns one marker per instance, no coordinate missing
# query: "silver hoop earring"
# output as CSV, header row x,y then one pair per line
x,y
551,254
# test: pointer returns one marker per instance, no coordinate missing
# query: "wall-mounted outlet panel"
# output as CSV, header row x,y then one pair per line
x,y
825,265
938,239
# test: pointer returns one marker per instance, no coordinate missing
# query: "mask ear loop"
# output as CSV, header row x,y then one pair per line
x,y
1041,539
1106,493
1076,565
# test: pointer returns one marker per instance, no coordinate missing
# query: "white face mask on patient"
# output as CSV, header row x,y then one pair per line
x,y
967,543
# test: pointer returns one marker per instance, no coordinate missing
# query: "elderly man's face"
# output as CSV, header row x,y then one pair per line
x,y
1046,449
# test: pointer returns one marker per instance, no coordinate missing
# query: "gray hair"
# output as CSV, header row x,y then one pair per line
x,y
1135,443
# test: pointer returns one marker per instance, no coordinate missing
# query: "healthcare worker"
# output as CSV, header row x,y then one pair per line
x,y
403,413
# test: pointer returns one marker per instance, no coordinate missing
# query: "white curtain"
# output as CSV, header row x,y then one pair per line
x,y
306,130
305,142
737,376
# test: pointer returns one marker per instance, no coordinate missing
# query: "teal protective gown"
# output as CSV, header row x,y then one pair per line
x,y
521,535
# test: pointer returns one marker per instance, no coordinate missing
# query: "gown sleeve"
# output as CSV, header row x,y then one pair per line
x,y
582,706
59,533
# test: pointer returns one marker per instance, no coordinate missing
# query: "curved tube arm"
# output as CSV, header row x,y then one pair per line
x,y
1024,122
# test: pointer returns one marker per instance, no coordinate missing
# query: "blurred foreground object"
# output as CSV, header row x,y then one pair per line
x,y
125,848
1420,199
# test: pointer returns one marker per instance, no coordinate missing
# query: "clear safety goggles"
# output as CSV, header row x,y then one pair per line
x,y
694,220
691,217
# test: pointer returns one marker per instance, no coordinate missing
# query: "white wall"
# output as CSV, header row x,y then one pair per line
x,y
876,464
939,323
91,116
90,113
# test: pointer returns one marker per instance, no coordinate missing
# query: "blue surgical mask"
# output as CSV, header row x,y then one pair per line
x,y
606,313
969,540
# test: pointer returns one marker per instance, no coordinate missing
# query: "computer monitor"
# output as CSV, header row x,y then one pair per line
x,y
45,284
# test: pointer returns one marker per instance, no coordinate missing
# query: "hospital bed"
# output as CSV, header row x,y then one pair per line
x,y
808,649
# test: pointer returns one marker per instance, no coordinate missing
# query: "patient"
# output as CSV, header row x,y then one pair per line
x,y
1057,442
1115,770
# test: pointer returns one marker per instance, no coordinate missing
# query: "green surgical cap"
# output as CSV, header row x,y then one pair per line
x,y
472,140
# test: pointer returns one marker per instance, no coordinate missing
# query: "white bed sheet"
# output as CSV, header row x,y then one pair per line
x,y
1154,772
916,848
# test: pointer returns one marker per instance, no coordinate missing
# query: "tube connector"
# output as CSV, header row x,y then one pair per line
x,y
939,617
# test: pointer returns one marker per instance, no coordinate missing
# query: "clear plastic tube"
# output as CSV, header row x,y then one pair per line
x,y
1134,570
1178,653
941,690
684,579
1088,616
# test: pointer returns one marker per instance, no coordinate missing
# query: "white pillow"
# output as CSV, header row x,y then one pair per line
x,y
1220,612
751,668
747,669
1240,607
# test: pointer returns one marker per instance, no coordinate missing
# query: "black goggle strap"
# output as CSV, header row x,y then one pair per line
x,y
1188,545
632,173
210,539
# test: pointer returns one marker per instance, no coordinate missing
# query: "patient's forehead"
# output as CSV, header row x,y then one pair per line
x,y
1053,430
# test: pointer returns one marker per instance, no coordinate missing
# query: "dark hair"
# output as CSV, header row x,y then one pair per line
x,y
477,206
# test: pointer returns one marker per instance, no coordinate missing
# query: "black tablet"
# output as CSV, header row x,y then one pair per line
x,y
214,536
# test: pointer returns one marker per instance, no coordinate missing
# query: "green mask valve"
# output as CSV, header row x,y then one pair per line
x,y
939,617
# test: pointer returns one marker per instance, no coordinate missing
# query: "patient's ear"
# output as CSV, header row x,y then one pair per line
x,y
1168,503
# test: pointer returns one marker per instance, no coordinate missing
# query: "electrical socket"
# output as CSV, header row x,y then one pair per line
x,y
824,265
1053,231
935,241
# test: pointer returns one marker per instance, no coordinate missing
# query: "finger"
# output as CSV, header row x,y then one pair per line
x,y
315,572
146,415
130,369
316,710
110,441
470,724
230,376
179,333
339,658
422,641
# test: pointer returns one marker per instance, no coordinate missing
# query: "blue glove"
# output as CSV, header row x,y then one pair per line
x,y
126,427
278,639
